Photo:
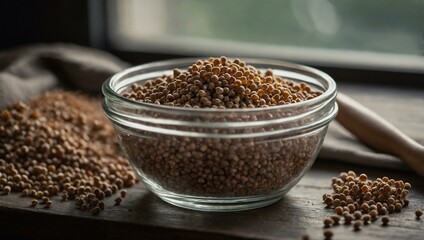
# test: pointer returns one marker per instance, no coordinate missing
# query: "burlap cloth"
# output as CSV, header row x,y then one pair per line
x,y
29,71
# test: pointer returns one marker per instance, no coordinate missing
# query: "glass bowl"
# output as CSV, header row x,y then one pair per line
x,y
220,159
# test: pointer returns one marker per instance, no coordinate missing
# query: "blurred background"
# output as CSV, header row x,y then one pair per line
x,y
269,28
350,38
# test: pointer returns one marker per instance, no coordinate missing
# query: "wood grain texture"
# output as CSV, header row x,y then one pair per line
x,y
143,216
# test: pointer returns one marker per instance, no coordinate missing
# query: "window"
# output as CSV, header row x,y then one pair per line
x,y
378,33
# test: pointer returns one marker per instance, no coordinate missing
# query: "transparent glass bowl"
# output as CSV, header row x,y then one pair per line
x,y
220,160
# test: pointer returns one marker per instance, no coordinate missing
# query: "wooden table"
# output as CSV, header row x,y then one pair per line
x,y
144,216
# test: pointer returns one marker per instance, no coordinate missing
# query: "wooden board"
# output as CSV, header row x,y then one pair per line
x,y
144,216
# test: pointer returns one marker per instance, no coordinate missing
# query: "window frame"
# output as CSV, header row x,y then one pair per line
x,y
367,71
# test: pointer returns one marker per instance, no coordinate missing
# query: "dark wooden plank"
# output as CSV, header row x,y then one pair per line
x,y
301,211
142,214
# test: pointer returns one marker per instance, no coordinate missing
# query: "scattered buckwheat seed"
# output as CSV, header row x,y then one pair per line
x,y
328,222
34,202
118,201
123,193
385,220
95,211
348,219
357,225
328,234
366,218
418,213
7,190
336,219
101,205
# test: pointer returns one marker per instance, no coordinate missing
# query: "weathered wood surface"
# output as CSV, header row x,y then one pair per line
x,y
300,212
143,216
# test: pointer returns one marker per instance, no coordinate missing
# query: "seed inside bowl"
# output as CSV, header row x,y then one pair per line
x,y
221,166
221,83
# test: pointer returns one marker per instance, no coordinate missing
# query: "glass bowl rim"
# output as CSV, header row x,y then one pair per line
x,y
329,93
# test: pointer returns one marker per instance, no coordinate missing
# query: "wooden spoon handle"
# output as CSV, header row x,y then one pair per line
x,y
378,133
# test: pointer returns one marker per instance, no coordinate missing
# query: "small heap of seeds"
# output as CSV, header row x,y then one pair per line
x,y
61,144
361,200
221,83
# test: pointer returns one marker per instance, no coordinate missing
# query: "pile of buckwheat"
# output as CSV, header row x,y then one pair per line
x,y
221,83
61,144
362,201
